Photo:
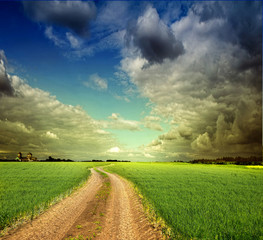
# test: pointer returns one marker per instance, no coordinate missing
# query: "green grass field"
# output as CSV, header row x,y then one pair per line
x,y
196,201
202,201
28,188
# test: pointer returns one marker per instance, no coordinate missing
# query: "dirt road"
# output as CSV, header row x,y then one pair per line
x,y
125,218
53,224
105,208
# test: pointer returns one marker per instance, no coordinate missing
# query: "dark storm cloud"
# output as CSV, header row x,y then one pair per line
x,y
243,23
153,38
246,20
5,84
74,15
241,26
208,11
213,92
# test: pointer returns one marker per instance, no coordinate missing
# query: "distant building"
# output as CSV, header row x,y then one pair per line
x,y
29,158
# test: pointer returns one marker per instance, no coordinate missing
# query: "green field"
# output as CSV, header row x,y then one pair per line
x,y
196,201
28,188
202,201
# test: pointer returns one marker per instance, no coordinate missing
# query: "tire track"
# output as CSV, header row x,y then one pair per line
x,y
125,216
52,224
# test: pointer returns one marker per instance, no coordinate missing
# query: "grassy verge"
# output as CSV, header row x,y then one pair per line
x,y
200,201
26,189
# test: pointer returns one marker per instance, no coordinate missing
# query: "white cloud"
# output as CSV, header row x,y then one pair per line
x,y
51,135
152,118
74,41
117,122
113,15
101,131
54,38
153,123
113,41
153,126
32,119
114,150
148,155
2,56
122,98
114,116
96,82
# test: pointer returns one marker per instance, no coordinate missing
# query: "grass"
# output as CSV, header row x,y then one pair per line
x,y
26,189
201,201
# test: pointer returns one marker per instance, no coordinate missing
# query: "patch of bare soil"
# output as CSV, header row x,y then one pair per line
x,y
106,208
89,224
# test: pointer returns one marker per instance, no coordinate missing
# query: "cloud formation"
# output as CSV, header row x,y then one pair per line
x,y
152,122
75,15
31,120
199,64
49,33
240,27
213,92
96,82
153,38
117,122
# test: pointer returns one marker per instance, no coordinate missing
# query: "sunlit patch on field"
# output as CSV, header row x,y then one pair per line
x,y
255,167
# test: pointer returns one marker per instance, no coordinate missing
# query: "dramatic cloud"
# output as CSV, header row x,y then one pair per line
x,y
212,93
153,38
74,15
194,69
34,121
242,19
202,143
5,84
240,26
171,135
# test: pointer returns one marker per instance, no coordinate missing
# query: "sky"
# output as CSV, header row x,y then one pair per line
x,y
131,80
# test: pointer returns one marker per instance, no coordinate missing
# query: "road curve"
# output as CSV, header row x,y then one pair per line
x,y
53,223
122,219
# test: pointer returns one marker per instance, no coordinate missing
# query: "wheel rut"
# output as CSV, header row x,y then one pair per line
x,y
105,208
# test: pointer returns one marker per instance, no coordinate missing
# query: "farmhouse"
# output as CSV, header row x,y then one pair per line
x,y
28,158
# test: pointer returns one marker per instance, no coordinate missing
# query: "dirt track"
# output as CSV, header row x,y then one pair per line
x,y
125,218
92,211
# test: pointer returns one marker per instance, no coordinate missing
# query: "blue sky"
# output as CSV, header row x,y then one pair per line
x,y
143,81
61,75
